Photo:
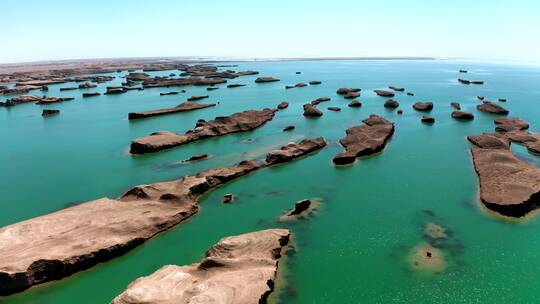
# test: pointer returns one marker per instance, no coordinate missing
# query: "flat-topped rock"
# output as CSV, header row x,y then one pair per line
x,y
49,112
506,124
183,107
508,184
90,94
365,139
266,79
397,89
427,119
319,100
311,111
194,98
423,106
351,95
355,104
384,93
461,115
58,244
315,82
157,82
294,150
298,85
239,269
235,85
20,100
345,91
489,107
197,157
391,104
335,109
49,100
489,141
68,88
169,93
283,105
237,122
87,85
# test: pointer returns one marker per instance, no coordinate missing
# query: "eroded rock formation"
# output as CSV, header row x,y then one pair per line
x,y
238,122
239,269
366,139
183,107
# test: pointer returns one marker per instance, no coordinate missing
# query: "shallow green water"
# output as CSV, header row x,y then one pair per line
x,y
372,213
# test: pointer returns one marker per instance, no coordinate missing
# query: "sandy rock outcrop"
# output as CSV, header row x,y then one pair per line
x,y
238,122
239,269
183,107
364,140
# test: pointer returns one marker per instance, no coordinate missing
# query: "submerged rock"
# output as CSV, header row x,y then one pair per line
x,y
423,106
426,258
183,107
461,115
455,105
435,231
311,111
238,122
335,109
384,93
240,269
366,139
489,107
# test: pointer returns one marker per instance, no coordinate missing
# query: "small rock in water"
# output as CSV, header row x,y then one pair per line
x,y
410,94
288,128
283,105
391,104
336,109
228,198
400,112
428,119
355,104
315,82
50,112
197,157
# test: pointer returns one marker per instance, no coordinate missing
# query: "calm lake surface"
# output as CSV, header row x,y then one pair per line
x,y
355,248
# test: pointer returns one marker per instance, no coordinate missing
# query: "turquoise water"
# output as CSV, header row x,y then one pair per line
x,y
354,249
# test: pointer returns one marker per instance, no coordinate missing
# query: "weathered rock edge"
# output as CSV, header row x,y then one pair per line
x,y
222,125
59,244
508,184
364,140
183,107
238,269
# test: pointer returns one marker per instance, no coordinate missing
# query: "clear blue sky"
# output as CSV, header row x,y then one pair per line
x,y
66,29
